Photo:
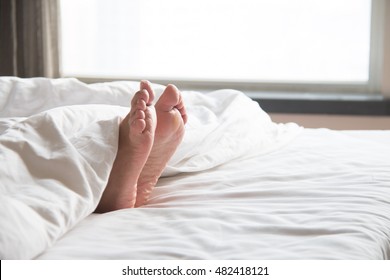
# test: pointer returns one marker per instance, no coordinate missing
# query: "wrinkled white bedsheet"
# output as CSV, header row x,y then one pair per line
x,y
326,195
58,139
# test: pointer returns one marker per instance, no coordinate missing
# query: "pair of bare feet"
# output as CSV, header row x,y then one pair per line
x,y
148,137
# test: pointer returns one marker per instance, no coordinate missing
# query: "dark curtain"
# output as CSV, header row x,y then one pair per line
x,y
29,38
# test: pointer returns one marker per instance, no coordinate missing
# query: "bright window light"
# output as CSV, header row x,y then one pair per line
x,y
218,40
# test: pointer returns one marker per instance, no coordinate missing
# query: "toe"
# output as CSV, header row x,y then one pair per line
x,y
182,109
140,104
141,97
138,126
169,99
146,85
183,114
139,114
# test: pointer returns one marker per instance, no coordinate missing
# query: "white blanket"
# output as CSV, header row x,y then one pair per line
x,y
59,138
326,195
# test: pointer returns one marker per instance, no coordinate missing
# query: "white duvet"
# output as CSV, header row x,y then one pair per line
x,y
58,139
325,195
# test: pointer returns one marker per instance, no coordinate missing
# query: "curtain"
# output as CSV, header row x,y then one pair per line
x,y
29,38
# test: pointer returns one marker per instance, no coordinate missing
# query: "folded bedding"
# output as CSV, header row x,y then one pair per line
x,y
58,140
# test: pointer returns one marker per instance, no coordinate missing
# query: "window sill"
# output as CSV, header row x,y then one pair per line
x,y
334,122
312,103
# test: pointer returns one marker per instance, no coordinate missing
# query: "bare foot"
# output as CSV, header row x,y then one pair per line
x,y
171,118
136,137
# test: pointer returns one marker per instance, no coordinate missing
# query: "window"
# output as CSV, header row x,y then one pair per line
x,y
253,42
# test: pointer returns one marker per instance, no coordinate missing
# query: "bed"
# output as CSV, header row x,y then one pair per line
x,y
239,186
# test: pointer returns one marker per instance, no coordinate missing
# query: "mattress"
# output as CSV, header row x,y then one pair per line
x,y
239,186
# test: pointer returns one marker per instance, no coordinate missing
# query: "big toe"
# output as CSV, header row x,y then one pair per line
x,y
169,99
